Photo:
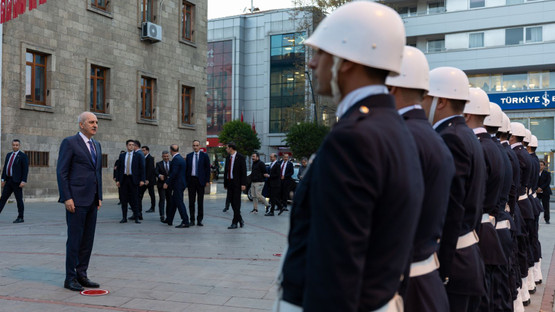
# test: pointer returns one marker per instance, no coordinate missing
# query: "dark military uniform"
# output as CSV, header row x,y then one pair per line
x,y
426,292
351,233
538,209
463,267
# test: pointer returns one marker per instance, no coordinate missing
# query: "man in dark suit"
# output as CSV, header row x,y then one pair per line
x,y
79,173
150,176
177,183
162,173
139,154
14,178
131,175
198,177
286,173
274,178
347,209
462,268
424,291
235,182
544,189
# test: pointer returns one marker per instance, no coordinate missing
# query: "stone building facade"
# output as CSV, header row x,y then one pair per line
x,y
70,56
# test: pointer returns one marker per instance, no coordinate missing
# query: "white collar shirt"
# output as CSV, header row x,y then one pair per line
x,y
356,95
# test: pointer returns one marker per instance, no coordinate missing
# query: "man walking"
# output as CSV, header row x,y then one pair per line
x,y
150,176
79,173
544,189
198,177
274,178
257,182
131,175
235,182
286,173
14,178
162,172
177,183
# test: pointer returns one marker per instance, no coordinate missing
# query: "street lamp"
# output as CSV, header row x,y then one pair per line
x,y
313,98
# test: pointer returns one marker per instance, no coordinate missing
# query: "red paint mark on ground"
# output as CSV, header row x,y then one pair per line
x,y
547,299
72,304
94,292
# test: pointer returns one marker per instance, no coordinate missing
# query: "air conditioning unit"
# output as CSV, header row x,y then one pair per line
x,y
151,31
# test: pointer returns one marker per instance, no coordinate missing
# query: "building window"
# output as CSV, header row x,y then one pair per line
x,y
476,40
187,105
407,11
219,83
147,10
436,45
100,4
104,160
35,78
287,82
98,89
514,36
513,81
534,34
188,21
147,98
38,159
542,128
436,7
477,4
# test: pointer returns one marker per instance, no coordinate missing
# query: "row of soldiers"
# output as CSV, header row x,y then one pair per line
x,y
431,207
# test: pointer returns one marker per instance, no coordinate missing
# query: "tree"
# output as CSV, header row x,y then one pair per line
x,y
242,135
305,138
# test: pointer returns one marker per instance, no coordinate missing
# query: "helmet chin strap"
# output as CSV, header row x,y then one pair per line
x,y
433,110
335,92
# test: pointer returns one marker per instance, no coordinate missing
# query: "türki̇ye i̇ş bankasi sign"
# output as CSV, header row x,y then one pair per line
x,y
524,100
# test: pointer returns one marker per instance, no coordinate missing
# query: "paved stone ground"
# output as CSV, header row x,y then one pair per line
x,y
154,267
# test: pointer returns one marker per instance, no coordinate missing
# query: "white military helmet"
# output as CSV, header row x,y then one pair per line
x,y
478,103
415,72
363,32
449,82
495,118
506,127
517,129
533,141
528,136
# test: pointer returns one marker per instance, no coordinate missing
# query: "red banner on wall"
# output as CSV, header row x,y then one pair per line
x,y
13,8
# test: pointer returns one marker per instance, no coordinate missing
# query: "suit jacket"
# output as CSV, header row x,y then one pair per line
x,y
239,169
161,170
275,175
438,170
150,173
288,169
347,213
178,167
203,167
137,168
78,178
544,182
464,267
20,167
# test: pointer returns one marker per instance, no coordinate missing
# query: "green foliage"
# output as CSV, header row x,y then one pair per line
x,y
305,138
242,135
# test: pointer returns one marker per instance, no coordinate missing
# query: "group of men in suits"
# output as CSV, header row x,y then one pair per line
x,y
135,172
418,161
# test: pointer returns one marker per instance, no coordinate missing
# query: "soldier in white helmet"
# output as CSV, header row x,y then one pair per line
x,y
461,265
538,209
501,290
351,233
525,256
424,289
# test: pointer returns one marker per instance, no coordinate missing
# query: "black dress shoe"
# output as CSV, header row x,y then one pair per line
x,y
84,281
200,223
192,223
225,209
73,285
150,210
538,282
131,218
123,220
18,220
280,212
163,220
137,221
241,223
526,303
182,226
533,291
170,224
546,222
269,214
232,226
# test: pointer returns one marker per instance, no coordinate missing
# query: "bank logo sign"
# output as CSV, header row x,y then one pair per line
x,y
524,100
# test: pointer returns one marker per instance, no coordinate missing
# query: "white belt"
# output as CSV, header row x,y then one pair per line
x,y
534,195
487,218
394,305
505,224
507,208
522,197
425,266
467,240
